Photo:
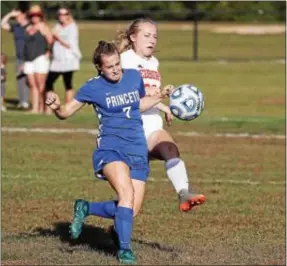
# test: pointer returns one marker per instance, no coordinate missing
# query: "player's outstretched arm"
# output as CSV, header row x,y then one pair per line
x,y
62,111
166,110
149,101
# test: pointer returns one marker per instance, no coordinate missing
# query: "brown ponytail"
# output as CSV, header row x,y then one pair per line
x,y
103,48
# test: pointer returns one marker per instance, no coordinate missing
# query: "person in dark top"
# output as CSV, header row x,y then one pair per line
x,y
18,30
36,56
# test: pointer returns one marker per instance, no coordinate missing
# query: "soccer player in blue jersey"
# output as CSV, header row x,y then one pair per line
x,y
118,97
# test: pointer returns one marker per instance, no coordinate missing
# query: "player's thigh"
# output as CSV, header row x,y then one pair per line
x,y
118,175
151,123
162,146
139,192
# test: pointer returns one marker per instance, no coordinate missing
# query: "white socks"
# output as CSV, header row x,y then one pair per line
x,y
176,172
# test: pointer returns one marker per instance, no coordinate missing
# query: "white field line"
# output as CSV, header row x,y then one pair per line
x,y
179,133
166,180
225,181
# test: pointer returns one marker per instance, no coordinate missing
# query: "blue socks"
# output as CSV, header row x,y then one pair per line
x,y
123,219
124,226
105,209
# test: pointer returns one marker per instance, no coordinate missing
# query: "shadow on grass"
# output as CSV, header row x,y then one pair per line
x,y
12,104
95,238
12,101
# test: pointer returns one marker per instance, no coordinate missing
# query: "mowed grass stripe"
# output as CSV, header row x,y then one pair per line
x,y
95,132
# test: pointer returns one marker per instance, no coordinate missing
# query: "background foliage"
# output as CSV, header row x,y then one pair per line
x,y
164,10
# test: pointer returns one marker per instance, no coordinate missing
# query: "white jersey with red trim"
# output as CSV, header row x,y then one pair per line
x,y
148,69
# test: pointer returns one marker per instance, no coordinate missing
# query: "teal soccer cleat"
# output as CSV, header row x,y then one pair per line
x,y
126,257
81,211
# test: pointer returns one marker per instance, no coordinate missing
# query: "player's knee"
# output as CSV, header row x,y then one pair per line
x,y
126,196
172,150
136,210
169,151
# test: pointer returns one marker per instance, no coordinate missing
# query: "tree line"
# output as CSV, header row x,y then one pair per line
x,y
249,11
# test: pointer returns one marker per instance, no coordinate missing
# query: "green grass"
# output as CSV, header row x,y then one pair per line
x,y
251,94
243,221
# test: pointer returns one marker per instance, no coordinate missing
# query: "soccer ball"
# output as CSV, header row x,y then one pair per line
x,y
186,102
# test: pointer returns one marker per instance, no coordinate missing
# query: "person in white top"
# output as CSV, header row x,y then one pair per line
x,y
66,54
136,45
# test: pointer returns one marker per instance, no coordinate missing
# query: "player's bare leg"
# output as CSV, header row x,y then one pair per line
x,y
163,147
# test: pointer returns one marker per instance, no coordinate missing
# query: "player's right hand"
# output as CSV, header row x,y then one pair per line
x,y
53,100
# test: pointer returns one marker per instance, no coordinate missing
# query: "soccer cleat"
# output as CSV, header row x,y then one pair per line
x,y
188,200
126,257
81,211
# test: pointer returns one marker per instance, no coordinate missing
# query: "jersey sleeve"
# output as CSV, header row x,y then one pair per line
x,y
83,95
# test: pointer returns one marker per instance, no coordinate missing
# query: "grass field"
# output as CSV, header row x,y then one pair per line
x,y
243,221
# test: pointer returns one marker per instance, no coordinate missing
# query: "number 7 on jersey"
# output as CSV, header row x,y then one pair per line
x,y
127,111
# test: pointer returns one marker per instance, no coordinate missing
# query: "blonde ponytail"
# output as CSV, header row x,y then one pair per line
x,y
122,41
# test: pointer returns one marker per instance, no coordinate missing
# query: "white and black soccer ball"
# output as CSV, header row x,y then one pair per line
x,y
186,102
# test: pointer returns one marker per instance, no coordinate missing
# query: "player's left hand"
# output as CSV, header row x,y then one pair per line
x,y
168,118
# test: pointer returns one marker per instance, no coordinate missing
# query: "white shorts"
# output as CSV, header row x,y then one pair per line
x,y
39,65
151,123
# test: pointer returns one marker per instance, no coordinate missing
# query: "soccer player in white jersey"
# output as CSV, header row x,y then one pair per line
x,y
136,45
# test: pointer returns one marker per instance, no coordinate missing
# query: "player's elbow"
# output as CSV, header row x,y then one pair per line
x,y
62,115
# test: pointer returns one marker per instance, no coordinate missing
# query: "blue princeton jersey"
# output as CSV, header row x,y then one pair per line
x,y
118,110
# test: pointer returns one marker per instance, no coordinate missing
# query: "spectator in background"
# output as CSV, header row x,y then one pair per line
x,y
18,30
37,56
66,54
3,80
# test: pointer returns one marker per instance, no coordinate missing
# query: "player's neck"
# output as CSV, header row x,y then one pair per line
x,y
142,56
113,81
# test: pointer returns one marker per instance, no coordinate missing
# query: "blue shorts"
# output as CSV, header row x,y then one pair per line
x,y
138,163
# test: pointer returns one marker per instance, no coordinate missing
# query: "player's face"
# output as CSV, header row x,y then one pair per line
x,y
144,41
111,67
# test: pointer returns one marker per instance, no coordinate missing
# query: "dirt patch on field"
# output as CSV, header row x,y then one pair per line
x,y
250,29
272,100
18,262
